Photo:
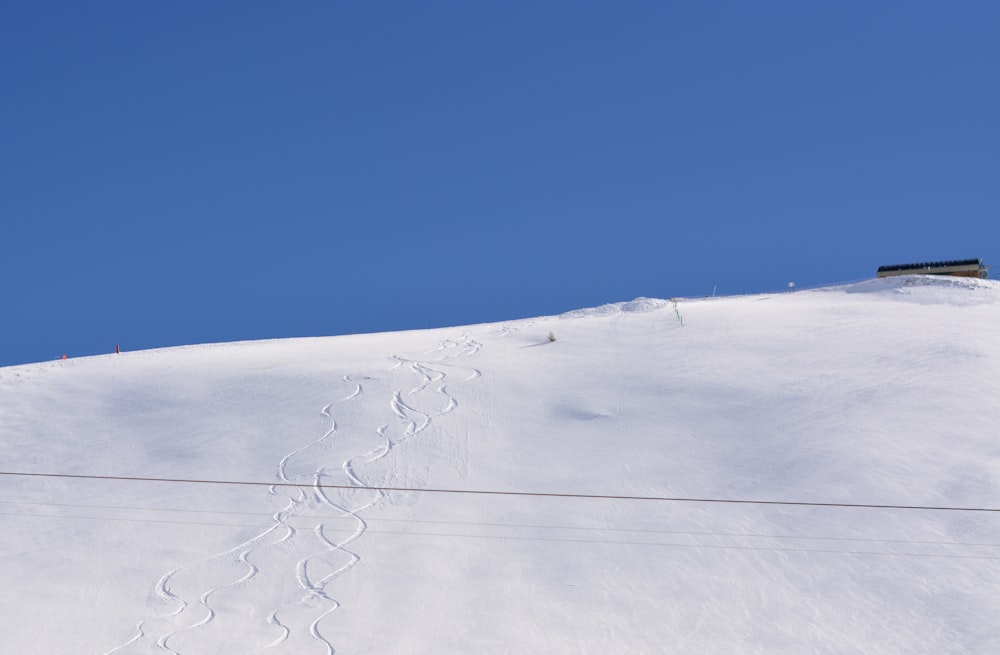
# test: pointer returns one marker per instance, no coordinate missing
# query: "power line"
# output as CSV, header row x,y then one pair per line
x,y
600,542
529,494
297,518
269,515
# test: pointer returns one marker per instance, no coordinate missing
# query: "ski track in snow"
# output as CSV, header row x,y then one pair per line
x,y
288,627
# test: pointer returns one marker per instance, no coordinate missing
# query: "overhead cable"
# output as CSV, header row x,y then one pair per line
x,y
485,492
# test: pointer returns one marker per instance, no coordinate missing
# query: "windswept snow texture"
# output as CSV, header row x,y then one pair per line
x,y
885,392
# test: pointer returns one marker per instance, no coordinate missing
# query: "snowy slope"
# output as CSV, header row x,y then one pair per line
x,y
884,392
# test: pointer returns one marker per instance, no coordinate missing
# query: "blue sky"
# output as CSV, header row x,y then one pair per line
x,y
177,173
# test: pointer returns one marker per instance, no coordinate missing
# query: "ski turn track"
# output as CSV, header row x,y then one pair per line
x,y
223,599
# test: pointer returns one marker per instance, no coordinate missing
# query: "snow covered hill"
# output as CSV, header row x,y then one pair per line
x,y
885,392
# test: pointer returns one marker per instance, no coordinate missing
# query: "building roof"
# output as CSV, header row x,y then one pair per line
x,y
925,265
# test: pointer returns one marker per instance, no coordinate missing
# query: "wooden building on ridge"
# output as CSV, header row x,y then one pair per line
x,y
957,267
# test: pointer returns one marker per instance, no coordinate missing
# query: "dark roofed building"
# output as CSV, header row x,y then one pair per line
x,y
957,267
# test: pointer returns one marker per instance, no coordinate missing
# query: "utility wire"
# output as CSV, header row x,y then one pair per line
x,y
269,515
531,494
299,518
510,537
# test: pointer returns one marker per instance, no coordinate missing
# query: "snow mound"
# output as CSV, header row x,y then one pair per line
x,y
639,305
932,289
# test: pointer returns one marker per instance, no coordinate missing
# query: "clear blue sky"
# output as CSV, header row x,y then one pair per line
x,y
177,173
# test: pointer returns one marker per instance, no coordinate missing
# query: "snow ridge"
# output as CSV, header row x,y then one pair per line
x,y
639,305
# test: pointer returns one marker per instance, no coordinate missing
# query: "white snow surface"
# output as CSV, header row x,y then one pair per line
x,y
885,392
